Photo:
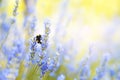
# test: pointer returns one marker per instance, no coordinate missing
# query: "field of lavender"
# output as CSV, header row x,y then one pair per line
x,y
59,40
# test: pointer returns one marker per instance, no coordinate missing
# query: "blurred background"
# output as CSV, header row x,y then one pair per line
x,y
85,21
87,27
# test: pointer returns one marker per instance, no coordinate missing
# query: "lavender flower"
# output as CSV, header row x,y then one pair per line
x,y
39,53
51,64
9,53
2,75
44,67
85,73
30,6
33,23
5,26
102,69
61,77
46,36
111,73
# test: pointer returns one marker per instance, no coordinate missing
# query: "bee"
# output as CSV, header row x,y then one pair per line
x,y
38,39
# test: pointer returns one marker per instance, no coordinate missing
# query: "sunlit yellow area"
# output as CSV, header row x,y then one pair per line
x,y
85,20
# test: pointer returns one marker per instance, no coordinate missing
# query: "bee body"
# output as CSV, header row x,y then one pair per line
x,y
38,39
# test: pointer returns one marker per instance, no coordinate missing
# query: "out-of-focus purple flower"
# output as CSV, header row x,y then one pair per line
x,y
95,78
32,44
3,16
8,53
33,23
19,43
5,26
30,6
100,72
61,77
2,76
25,21
111,72
45,37
106,58
71,68
51,64
44,67
118,75
16,51
85,73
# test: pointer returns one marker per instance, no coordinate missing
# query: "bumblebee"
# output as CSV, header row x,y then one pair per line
x,y
38,39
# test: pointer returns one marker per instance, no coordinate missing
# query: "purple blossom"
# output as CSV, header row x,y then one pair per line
x,y
2,75
111,72
61,77
33,23
44,67
5,26
8,53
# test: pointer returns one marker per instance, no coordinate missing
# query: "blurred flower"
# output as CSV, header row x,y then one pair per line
x,y
8,53
5,26
61,77
101,71
85,73
111,72
30,6
2,76
44,67
39,54
51,64
33,23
